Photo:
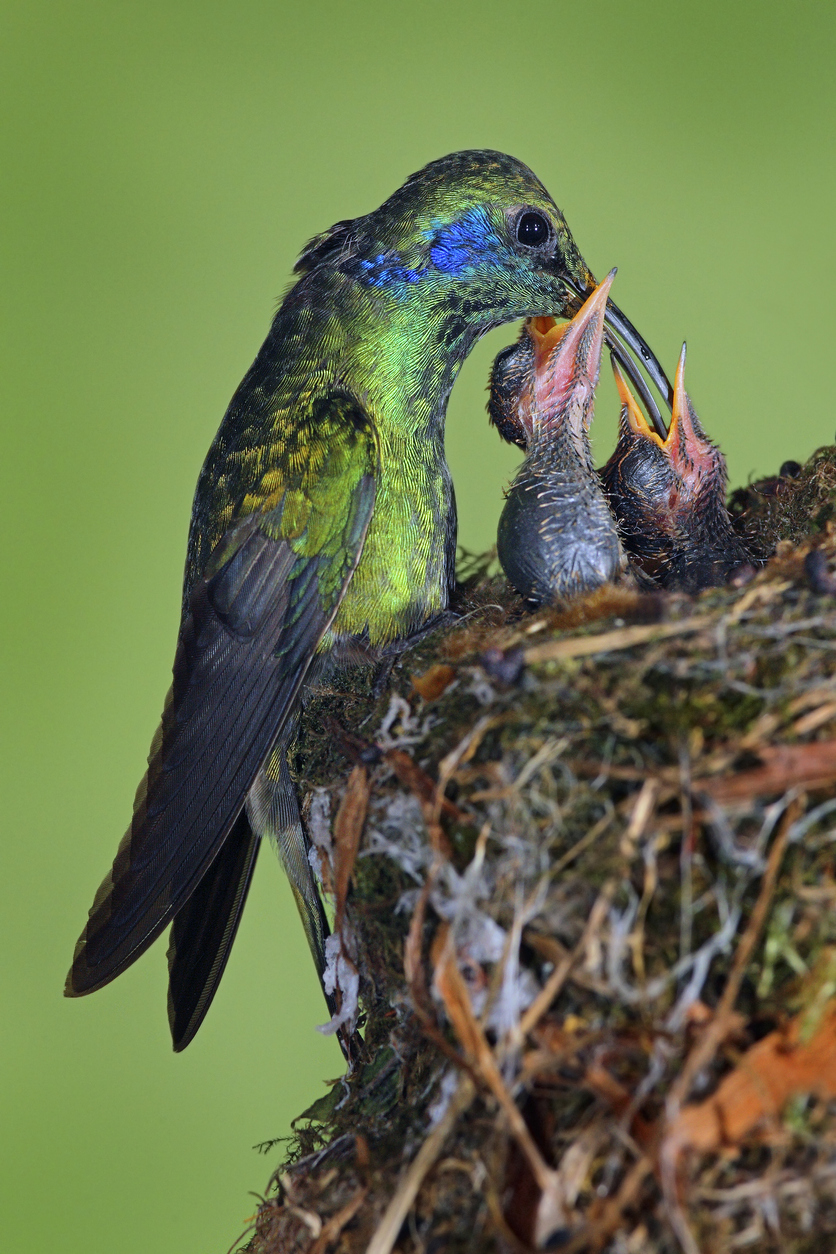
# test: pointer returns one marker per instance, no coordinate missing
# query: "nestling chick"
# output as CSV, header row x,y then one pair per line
x,y
669,496
557,536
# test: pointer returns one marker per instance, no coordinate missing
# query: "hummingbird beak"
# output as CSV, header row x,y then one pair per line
x,y
682,434
685,437
686,445
633,422
697,463
629,347
700,463
672,508
567,360
632,352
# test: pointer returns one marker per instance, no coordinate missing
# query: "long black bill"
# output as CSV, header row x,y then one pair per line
x,y
626,345
620,354
631,351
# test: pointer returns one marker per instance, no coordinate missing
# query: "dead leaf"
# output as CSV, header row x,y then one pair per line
x,y
767,1076
452,989
798,1058
433,682
348,828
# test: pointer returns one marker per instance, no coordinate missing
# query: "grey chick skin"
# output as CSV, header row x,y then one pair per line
x,y
557,537
669,496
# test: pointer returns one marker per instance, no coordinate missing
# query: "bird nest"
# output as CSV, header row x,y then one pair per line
x,y
584,864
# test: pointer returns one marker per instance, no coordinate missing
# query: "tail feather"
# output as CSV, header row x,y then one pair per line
x,y
273,811
204,929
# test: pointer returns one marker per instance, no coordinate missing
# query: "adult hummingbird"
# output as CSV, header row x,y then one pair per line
x,y
669,495
557,536
323,528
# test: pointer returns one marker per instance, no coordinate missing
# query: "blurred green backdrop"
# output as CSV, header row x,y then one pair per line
x,y
162,164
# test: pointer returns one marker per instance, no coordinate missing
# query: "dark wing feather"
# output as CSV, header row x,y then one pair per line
x,y
203,931
252,628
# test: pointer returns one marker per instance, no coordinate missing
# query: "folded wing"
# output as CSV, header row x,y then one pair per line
x,y
252,626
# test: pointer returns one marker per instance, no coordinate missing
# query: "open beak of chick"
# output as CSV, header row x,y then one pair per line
x,y
669,494
557,537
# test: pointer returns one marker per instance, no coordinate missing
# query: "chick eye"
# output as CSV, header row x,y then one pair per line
x,y
532,229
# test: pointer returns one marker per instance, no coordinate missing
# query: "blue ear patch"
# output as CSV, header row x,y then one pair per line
x,y
466,245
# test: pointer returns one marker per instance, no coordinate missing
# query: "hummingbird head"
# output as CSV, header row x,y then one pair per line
x,y
477,226
545,384
469,242
673,480
669,494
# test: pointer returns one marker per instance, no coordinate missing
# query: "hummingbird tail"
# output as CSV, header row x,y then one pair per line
x,y
274,811
204,929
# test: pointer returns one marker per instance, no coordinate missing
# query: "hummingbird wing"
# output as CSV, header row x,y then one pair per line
x,y
252,626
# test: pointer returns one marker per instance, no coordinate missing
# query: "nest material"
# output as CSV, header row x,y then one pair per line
x,y
594,916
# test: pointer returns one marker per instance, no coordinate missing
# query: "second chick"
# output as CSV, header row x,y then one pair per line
x,y
670,496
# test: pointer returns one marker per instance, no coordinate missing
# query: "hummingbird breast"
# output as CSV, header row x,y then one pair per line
x,y
406,571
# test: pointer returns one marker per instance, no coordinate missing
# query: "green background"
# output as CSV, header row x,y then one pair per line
x,y
160,167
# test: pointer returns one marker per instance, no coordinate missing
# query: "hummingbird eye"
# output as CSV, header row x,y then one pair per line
x,y
532,229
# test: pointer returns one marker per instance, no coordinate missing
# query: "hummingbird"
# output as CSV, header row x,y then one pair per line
x,y
669,495
323,531
557,536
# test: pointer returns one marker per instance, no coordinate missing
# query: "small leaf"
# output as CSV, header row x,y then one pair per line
x,y
433,682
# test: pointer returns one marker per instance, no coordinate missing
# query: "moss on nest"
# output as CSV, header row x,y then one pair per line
x,y
793,507
632,801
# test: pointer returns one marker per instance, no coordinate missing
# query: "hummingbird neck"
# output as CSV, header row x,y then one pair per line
x,y
407,352
413,380
562,440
